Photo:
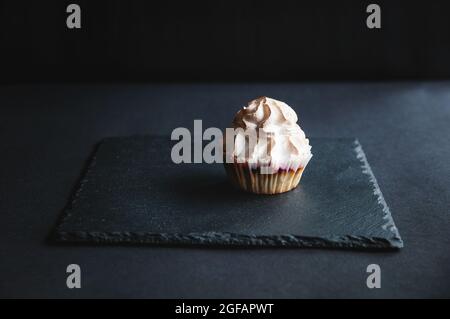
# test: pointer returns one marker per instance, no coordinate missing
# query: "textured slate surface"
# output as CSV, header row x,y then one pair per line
x,y
133,193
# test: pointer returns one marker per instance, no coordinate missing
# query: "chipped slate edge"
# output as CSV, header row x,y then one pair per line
x,y
67,212
226,239
366,169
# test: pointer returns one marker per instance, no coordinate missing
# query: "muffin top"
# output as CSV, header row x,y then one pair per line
x,y
267,133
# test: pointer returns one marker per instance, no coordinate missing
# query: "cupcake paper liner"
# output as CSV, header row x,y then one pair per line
x,y
251,180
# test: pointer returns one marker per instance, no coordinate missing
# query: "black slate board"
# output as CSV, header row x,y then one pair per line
x,y
133,193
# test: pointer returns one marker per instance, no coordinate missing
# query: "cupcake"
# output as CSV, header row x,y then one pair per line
x,y
266,152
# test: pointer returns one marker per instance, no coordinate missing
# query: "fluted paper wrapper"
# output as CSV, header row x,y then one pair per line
x,y
252,180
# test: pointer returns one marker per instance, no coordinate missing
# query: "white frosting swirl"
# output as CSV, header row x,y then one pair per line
x,y
280,143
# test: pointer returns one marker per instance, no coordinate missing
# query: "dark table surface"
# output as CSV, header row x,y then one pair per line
x,y
47,133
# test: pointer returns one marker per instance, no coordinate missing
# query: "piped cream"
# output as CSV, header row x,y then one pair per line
x,y
279,141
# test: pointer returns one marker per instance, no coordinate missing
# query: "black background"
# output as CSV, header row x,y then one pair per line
x,y
48,131
287,40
